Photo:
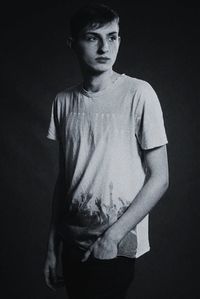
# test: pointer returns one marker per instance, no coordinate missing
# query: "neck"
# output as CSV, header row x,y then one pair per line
x,y
96,82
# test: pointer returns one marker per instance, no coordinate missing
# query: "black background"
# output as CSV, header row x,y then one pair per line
x,y
160,44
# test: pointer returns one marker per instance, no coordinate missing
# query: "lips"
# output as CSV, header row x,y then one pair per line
x,y
102,59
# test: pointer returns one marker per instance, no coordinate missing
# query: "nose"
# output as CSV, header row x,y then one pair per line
x,y
103,46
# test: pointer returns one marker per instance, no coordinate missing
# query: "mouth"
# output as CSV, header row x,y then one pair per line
x,y
102,59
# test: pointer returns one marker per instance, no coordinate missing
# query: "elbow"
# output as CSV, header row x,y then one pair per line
x,y
164,184
161,182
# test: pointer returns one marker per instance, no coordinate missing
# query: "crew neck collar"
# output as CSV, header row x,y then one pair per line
x,y
92,94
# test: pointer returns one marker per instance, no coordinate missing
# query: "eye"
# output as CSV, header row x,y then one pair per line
x,y
112,38
91,38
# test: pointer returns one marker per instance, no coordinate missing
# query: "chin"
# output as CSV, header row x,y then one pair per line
x,y
101,68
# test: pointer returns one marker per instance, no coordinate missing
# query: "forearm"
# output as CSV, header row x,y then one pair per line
x,y
57,208
145,200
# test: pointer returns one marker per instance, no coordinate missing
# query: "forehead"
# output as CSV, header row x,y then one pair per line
x,y
104,29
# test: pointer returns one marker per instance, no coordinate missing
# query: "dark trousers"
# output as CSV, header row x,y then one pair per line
x,y
96,278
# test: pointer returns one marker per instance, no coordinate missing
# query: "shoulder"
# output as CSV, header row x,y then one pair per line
x,y
63,96
142,92
139,85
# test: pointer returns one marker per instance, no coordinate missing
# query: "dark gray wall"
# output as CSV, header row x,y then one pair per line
x,y
160,45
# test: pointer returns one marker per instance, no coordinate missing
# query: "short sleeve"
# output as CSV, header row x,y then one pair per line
x,y
149,128
54,125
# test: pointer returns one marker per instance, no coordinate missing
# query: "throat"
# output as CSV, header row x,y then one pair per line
x,y
96,84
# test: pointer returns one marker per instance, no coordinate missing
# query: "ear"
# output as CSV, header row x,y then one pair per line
x,y
119,38
69,41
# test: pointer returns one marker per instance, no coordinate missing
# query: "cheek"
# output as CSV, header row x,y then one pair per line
x,y
89,53
114,50
84,52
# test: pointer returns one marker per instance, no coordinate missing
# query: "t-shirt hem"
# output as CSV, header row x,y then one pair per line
x,y
137,254
127,255
51,137
142,252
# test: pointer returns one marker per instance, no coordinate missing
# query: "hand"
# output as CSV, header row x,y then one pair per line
x,y
103,248
52,280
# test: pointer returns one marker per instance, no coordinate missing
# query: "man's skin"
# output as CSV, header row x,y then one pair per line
x,y
98,75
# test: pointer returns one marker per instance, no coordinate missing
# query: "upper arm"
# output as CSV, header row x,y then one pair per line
x,y
149,121
156,161
61,161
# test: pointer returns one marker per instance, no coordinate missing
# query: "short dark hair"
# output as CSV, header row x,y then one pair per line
x,y
93,15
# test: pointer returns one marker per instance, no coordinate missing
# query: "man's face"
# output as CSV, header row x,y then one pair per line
x,y
97,49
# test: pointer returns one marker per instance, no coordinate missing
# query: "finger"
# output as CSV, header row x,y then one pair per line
x,y
47,280
86,256
53,274
51,286
46,275
51,278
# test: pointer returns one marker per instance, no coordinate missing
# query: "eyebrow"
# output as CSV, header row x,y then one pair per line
x,y
97,34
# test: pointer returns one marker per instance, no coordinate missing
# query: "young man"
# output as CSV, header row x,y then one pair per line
x,y
113,165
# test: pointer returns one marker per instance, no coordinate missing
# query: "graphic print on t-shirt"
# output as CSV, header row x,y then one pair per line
x,y
82,214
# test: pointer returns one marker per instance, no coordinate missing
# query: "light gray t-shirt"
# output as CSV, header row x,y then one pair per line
x,y
103,135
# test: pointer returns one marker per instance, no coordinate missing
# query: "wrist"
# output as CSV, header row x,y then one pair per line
x,y
113,234
53,243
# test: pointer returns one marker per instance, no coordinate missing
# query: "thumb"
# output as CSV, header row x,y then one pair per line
x,y
86,255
